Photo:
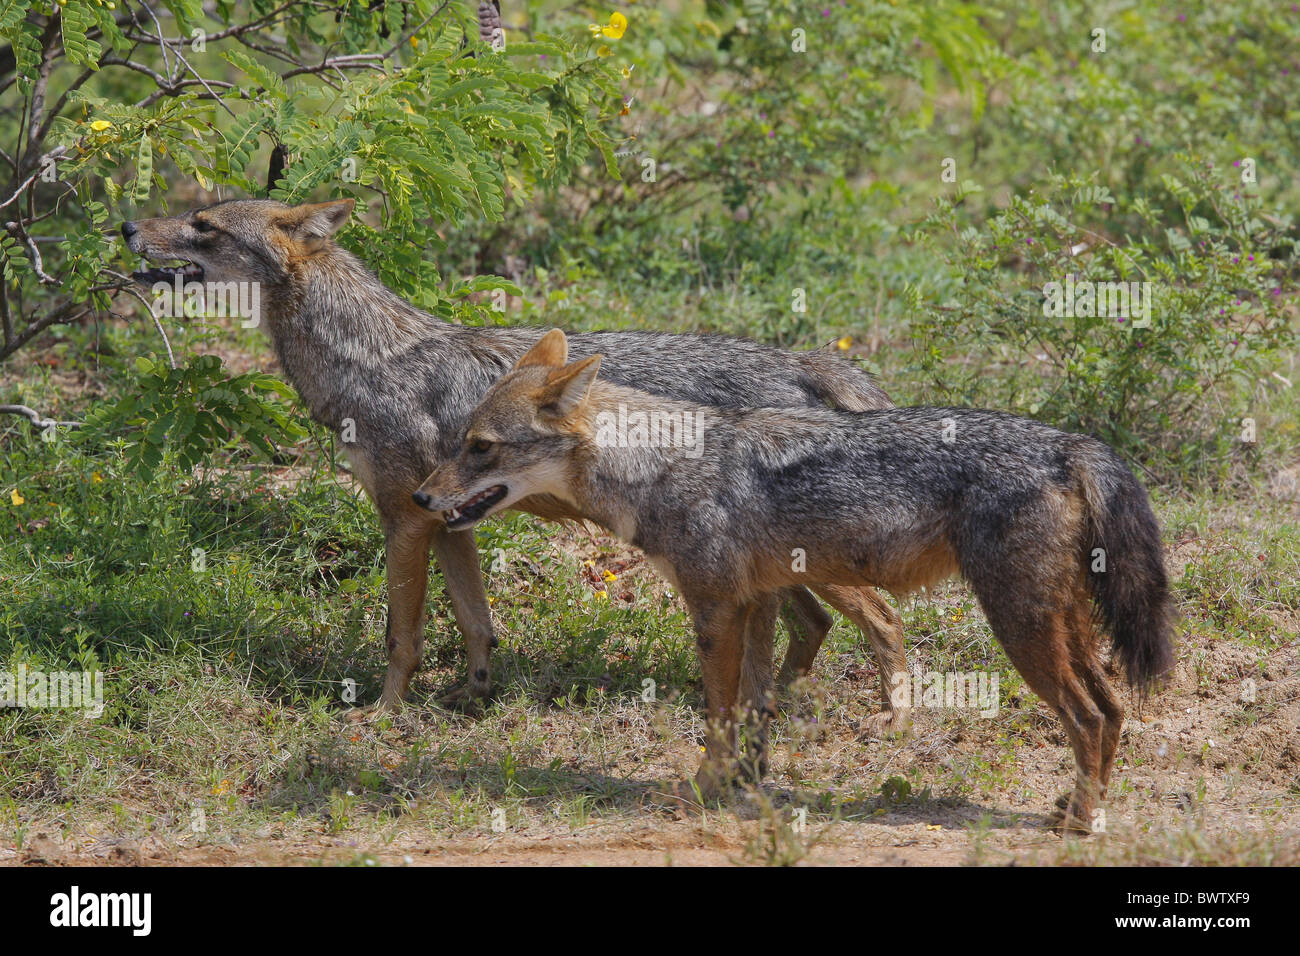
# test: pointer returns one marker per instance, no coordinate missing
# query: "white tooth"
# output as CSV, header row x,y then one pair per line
x,y
455,513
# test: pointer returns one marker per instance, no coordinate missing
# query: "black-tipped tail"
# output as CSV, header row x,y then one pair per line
x,y
1132,592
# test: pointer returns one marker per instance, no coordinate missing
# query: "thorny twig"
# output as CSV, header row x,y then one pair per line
x,y
171,358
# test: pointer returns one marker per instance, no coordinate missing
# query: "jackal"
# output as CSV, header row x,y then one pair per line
x,y
401,383
895,498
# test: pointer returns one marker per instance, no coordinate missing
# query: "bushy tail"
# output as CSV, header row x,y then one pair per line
x,y
1132,592
840,384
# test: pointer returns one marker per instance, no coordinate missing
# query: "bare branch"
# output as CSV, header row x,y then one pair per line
x,y
38,423
61,316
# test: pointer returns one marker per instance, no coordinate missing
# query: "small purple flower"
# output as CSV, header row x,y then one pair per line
x,y
826,11
1029,242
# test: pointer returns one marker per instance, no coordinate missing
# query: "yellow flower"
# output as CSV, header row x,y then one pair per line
x,y
100,125
97,478
16,498
609,576
604,51
415,42
603,595
589,563
627,71
844,343
616,27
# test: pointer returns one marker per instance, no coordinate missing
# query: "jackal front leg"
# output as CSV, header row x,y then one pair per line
x,y
720,638
406,553
757,707
458,558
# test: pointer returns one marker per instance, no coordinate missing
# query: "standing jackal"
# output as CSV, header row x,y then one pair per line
x,y
399,383
897,498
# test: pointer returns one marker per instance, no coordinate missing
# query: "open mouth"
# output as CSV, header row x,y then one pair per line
x,y
475,508
188,272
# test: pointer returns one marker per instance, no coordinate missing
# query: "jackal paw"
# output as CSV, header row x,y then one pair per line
x,y
370,712
1070,817
678,795
467,698
887,723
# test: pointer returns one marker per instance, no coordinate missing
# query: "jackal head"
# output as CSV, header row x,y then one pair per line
x,y
242,240
523,439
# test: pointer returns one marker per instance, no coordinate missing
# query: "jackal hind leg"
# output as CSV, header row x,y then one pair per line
x,y
1086,640
883,628
807,624
1037,630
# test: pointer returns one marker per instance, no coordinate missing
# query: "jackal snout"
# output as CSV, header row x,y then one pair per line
x,y
520,439
246,240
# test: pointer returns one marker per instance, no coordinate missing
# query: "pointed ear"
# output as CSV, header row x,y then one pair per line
x,y
552,350
567,388
318,220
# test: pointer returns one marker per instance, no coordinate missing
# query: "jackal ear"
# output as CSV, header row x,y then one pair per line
x,y
552,350
567,388
318,220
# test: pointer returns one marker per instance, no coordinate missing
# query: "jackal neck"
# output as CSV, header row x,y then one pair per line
x,y
334,323
635,440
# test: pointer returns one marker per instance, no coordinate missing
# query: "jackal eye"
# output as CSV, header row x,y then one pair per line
x,y
202,226
480,446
